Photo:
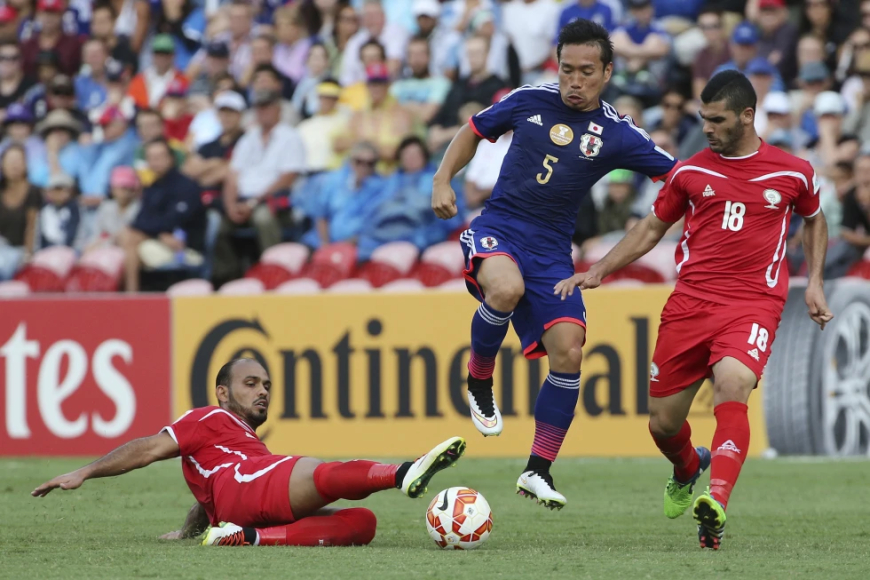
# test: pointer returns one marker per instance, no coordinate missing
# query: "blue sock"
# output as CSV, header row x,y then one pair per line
x,y
554,411
488,329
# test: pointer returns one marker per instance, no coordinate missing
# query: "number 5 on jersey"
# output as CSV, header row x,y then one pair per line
x,y
733,218
543,179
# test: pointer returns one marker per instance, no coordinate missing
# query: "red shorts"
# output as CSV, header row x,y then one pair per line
x,y
255,493
696,334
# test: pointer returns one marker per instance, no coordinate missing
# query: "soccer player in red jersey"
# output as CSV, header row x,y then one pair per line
x,y
250,496
738,197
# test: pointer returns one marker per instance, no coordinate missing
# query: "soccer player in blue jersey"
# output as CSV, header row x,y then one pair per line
x,y
565,139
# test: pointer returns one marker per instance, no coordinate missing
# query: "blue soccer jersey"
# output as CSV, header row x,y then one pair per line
x,y
556,155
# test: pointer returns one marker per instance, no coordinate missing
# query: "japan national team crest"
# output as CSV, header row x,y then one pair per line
x,y
489,243
590,145
561,134
772,197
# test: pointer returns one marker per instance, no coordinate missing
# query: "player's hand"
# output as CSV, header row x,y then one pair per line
x,y
67,481
583,280
817,305
443,200
176,535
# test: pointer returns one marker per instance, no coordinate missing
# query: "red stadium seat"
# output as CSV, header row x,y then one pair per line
x,y
40,279
447,255
57,259
291,256
242,287
432,275
378,273
91,279
109,259
400,255
404,285
331,263
271,275
299,286
454,285
192,287
351,286
13,289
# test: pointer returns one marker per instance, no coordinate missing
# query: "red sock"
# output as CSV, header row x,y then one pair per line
x,y
354,479
679,451
730,445
348,527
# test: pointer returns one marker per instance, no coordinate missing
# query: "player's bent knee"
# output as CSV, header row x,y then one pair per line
x,y
663,423
504,294
568,359
732,389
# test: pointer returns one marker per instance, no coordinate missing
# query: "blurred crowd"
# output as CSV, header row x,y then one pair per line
x,y
195,134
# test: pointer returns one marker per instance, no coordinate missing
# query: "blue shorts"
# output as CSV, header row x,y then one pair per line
x,y
539,308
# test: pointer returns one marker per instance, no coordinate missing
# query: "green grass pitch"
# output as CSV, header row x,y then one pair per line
x,y
788,519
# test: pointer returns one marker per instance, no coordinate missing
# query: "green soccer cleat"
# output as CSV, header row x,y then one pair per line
x,y
225,534
678,495
710,516
421,471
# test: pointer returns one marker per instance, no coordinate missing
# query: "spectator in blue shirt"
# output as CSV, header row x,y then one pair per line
x,y
593,10
405,214
90,84
687,9
63,154
743,48
421,93
117,147
347,199
641,42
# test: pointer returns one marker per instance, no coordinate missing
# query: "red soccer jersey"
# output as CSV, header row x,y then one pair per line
x,y
212,441
737,218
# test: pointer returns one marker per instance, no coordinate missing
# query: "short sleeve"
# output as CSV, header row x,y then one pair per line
x,y
807,203
34,199
639,153
187,433
293,160
671,202
851,212
237,162
496,120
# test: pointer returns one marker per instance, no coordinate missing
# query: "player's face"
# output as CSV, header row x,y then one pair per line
x,y
723,127
582,76
250,392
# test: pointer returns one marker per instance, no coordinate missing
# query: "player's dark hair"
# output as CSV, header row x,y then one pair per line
x,y
732,87
582,31
225,374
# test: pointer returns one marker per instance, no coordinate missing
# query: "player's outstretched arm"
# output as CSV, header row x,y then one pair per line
x,y
815,246
133,455
638,241
458,154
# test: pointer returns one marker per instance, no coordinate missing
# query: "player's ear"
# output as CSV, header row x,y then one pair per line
x,y
608,70
748,116
222,393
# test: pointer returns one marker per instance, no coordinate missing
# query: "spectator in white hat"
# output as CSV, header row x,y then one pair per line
x,y
444,42
776,107
829,109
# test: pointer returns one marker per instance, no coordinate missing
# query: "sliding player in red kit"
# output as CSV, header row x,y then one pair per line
x,y
738,197
250,496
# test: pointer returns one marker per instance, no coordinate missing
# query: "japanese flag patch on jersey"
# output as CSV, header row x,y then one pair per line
x,y
489,243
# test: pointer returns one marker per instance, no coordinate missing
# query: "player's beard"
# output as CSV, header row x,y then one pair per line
x,y
730,141
253,416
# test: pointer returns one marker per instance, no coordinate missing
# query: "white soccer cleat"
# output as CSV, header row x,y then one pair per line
x,y
539,486
421,471
226,534
484,411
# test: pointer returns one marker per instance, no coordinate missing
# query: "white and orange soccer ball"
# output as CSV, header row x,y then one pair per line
x,y
459,519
